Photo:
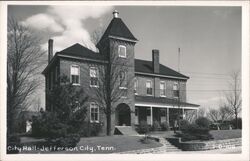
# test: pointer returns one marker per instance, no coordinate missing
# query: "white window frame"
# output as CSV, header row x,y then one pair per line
x,y
97,76
119,53
151,87
94,105
163,82
178,89
77,84
123,85
136,86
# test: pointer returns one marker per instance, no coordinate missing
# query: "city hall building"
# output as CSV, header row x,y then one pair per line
x,y
158,92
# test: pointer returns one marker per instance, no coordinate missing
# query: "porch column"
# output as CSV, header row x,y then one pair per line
x,y
168,115
196,114
183,113
151,114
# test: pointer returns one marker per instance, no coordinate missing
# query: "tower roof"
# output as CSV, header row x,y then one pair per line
x,y
118,28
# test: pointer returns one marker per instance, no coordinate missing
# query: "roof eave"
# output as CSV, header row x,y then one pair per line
x,y
161,75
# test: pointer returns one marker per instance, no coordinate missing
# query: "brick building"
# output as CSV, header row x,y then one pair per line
x,y
158,93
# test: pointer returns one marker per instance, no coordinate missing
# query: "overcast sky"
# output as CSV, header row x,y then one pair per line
x,y
209,38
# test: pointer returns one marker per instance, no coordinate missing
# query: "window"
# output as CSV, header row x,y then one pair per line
x,y
149,87
94,112
163,112
135,86
162,89
93,77
176,90
124,92
148,112
123,79
75,74
136,111
122,51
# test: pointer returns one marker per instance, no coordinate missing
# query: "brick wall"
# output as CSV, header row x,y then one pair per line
x,y
141,90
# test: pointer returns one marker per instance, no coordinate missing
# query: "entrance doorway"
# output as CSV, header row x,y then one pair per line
x,y
122,115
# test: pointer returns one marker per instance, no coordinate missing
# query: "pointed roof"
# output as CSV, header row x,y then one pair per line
x,y
118,28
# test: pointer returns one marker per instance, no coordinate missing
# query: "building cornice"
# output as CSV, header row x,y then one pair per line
x,y
122,38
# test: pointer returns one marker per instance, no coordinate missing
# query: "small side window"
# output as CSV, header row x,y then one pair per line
x,y
122,51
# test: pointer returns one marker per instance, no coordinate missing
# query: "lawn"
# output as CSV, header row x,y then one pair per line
x,y
225,134
105,144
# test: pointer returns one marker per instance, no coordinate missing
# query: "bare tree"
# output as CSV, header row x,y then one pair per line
x,y
214,115
225,113
233,97
96,35
24,58
114,82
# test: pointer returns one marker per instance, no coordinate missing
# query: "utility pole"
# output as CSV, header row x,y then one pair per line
x,y
179,108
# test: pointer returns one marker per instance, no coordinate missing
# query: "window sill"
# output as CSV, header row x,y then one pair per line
x,y
75,84
94,86
124,57
123,88
94,121
149,94
163,96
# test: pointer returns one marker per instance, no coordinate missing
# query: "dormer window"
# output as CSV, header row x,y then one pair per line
x,y
122,51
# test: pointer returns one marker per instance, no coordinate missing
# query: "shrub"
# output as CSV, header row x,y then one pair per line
x,y
143,127
233,122
195,132
184,124
165,126
69,140
95,129
203,122
156,126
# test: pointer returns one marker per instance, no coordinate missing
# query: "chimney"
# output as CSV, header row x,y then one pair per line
x,y
155,60
115,14
50,50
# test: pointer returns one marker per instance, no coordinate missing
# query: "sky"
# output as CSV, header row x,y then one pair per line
x,y
209,39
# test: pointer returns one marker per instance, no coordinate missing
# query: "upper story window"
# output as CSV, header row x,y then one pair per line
x,y
149,87
135,86
75,74
162,89
123,79
93,72
176,90
94,112
122,51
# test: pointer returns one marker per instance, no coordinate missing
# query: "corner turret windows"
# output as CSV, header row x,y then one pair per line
x,y
122,51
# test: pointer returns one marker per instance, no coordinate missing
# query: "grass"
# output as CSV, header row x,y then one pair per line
x,y
106,144
225,134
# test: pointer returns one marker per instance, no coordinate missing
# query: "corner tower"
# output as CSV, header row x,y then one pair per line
x,y
117,44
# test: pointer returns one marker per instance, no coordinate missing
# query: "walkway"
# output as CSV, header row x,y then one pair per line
x,y
166,147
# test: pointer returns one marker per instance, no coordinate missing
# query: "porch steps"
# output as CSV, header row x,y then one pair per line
x,y
125,130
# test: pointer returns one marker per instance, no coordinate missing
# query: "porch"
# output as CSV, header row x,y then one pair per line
x,y
162,110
